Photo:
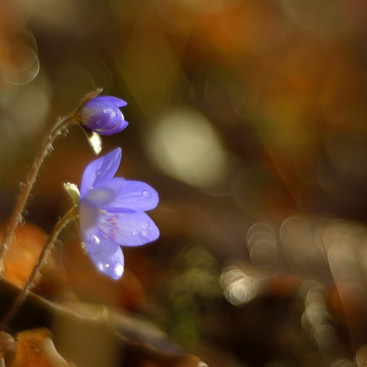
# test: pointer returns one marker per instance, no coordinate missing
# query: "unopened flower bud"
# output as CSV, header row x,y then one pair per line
x,y
103,116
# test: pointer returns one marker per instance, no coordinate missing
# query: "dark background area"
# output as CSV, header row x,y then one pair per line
x,y
249,119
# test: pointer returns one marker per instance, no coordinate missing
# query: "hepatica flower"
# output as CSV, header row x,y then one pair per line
x,y
112,213
103,116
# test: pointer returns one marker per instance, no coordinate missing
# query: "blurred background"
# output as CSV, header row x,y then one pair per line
x,y
249,118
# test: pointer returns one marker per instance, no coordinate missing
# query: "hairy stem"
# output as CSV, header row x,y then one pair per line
x,y
70,215
16,218
59,127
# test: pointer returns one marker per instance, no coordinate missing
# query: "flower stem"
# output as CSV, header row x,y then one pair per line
x,y
70,215
16,218
59,127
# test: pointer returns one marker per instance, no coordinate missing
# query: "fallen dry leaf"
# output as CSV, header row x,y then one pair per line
x,y
36,349
23,252
22,255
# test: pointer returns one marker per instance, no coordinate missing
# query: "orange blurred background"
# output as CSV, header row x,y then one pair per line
x,y
249,118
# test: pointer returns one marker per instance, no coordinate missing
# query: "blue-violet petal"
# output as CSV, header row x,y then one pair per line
x,y
107,256
100,170
128,228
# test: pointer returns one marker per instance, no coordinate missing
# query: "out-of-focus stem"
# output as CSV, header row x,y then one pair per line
x,y
70,215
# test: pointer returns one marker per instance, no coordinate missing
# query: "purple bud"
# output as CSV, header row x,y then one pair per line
x,y
102,115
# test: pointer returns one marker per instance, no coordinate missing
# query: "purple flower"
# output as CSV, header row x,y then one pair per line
x,y
112,213
102,115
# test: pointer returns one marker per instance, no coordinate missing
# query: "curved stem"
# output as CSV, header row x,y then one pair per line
x,y
16,218
46,250
61,124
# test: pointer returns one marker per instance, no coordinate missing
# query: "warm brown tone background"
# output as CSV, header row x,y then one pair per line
x,y
249,118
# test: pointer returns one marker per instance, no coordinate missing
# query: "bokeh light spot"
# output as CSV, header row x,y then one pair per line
x,y
238,288
181,143
262,244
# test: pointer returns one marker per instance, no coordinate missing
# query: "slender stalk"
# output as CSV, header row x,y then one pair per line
x,y
70,215
16,218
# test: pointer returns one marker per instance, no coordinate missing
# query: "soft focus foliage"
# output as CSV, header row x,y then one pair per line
x,y
249,118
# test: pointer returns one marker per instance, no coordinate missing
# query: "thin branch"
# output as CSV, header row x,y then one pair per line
x,y
46,250
16,218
